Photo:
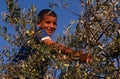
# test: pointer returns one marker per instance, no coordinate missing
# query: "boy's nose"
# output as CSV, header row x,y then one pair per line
x,y
51,25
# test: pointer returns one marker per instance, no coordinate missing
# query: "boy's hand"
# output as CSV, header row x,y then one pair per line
x,y
84,58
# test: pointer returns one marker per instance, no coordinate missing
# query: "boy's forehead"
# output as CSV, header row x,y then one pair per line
x,y
49,17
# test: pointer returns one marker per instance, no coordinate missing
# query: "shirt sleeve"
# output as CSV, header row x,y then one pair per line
x,y
41,35
46,37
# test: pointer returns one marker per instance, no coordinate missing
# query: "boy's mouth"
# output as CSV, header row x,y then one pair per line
x,y
50,31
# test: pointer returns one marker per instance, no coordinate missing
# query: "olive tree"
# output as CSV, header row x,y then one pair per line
x,y
97,33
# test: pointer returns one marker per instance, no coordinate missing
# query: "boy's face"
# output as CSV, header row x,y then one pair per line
x,y
48,23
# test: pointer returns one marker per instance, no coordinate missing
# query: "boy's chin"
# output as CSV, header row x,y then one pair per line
x,y
50,33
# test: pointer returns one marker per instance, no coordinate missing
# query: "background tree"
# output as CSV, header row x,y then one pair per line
x,y
97,33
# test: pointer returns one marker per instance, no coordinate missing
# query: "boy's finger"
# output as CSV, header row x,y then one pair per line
x,y
88,60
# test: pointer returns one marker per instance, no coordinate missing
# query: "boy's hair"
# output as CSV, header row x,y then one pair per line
x,y
45,11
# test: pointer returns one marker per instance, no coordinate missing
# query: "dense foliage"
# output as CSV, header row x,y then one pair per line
x,y
97,33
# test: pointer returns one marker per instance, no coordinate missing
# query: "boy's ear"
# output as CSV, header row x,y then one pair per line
x,y
39,24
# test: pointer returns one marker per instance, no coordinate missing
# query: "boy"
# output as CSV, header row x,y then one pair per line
x,y
47,22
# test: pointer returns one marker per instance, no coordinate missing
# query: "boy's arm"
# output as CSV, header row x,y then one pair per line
x,y
83,57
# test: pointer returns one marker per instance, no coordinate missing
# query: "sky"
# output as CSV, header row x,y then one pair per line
x,y
64,16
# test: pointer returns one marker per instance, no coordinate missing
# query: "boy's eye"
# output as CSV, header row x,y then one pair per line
x,y
48,22
54,23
